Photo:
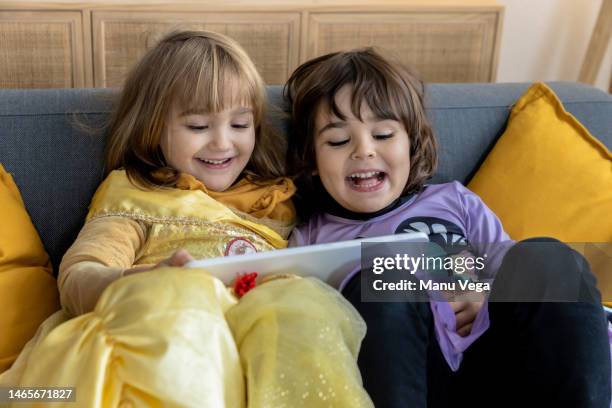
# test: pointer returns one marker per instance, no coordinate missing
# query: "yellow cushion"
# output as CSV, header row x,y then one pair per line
x,y
28,291
547,176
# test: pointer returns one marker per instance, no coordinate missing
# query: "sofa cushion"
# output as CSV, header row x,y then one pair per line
x,y
28,291
547,175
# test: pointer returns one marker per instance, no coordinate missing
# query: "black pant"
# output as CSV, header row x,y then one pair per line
x,y
540,354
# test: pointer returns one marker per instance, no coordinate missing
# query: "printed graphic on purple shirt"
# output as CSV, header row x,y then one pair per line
x,y
444,233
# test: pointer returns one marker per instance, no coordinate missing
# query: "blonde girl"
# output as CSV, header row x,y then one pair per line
x,y
193,172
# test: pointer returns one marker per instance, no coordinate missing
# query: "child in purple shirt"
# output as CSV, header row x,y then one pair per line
x,y
362,148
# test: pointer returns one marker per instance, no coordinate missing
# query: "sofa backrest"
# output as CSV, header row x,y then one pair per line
x,y
57,164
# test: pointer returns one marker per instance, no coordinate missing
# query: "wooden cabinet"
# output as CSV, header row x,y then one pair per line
x,y
120,39
442,47
41,49
75,43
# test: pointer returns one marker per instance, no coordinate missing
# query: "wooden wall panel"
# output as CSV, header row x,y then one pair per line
x,y
41,49
120,39
443,47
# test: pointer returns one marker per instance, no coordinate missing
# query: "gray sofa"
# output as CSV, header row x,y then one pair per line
x,y
58,165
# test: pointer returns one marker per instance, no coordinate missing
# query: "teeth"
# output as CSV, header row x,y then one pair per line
x,y
367,184
214,161
365,175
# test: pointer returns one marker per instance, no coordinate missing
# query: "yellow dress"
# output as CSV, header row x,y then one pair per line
x,y
176,337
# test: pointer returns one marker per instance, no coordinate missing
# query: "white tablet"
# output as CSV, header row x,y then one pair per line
x,y
328,262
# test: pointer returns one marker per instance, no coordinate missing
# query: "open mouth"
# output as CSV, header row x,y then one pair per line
x,y
215,163
367,180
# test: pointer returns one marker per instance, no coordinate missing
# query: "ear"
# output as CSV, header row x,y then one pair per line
x,y
315,173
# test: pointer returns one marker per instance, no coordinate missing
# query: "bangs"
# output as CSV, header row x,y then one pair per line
x,y
381,89
214,82
364,92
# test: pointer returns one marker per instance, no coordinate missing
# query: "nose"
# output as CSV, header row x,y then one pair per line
x,y
220,140
364,148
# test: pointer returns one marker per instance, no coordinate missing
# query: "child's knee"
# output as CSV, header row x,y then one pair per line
x,y
167,290
287,305
544,269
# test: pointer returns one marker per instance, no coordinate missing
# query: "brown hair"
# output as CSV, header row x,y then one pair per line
x,y
390,89
190,68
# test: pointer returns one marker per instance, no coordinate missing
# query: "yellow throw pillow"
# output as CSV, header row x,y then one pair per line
x,y
28,290
548,176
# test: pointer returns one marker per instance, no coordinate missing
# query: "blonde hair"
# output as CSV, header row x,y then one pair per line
x,y
191,68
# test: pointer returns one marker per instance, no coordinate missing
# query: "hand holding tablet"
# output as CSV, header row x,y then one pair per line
x,y
328,262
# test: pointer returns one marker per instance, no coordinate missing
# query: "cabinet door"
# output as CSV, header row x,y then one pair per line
x,y
441,46
41,49
121,38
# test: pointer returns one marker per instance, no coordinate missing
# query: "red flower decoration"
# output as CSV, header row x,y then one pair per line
x,y
244,283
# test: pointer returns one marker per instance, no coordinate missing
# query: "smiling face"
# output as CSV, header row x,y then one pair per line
x,y
363,164
214,147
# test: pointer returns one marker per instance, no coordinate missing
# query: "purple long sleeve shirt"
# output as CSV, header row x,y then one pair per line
x,y
446,212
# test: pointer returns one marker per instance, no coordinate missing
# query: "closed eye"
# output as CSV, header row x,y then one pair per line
x,y
339,143
384,136
241,126
197,127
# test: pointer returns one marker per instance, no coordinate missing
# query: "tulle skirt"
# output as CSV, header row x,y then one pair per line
x,y
177,337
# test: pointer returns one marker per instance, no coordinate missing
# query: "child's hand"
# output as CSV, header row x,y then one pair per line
x,y
465,314
179,258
